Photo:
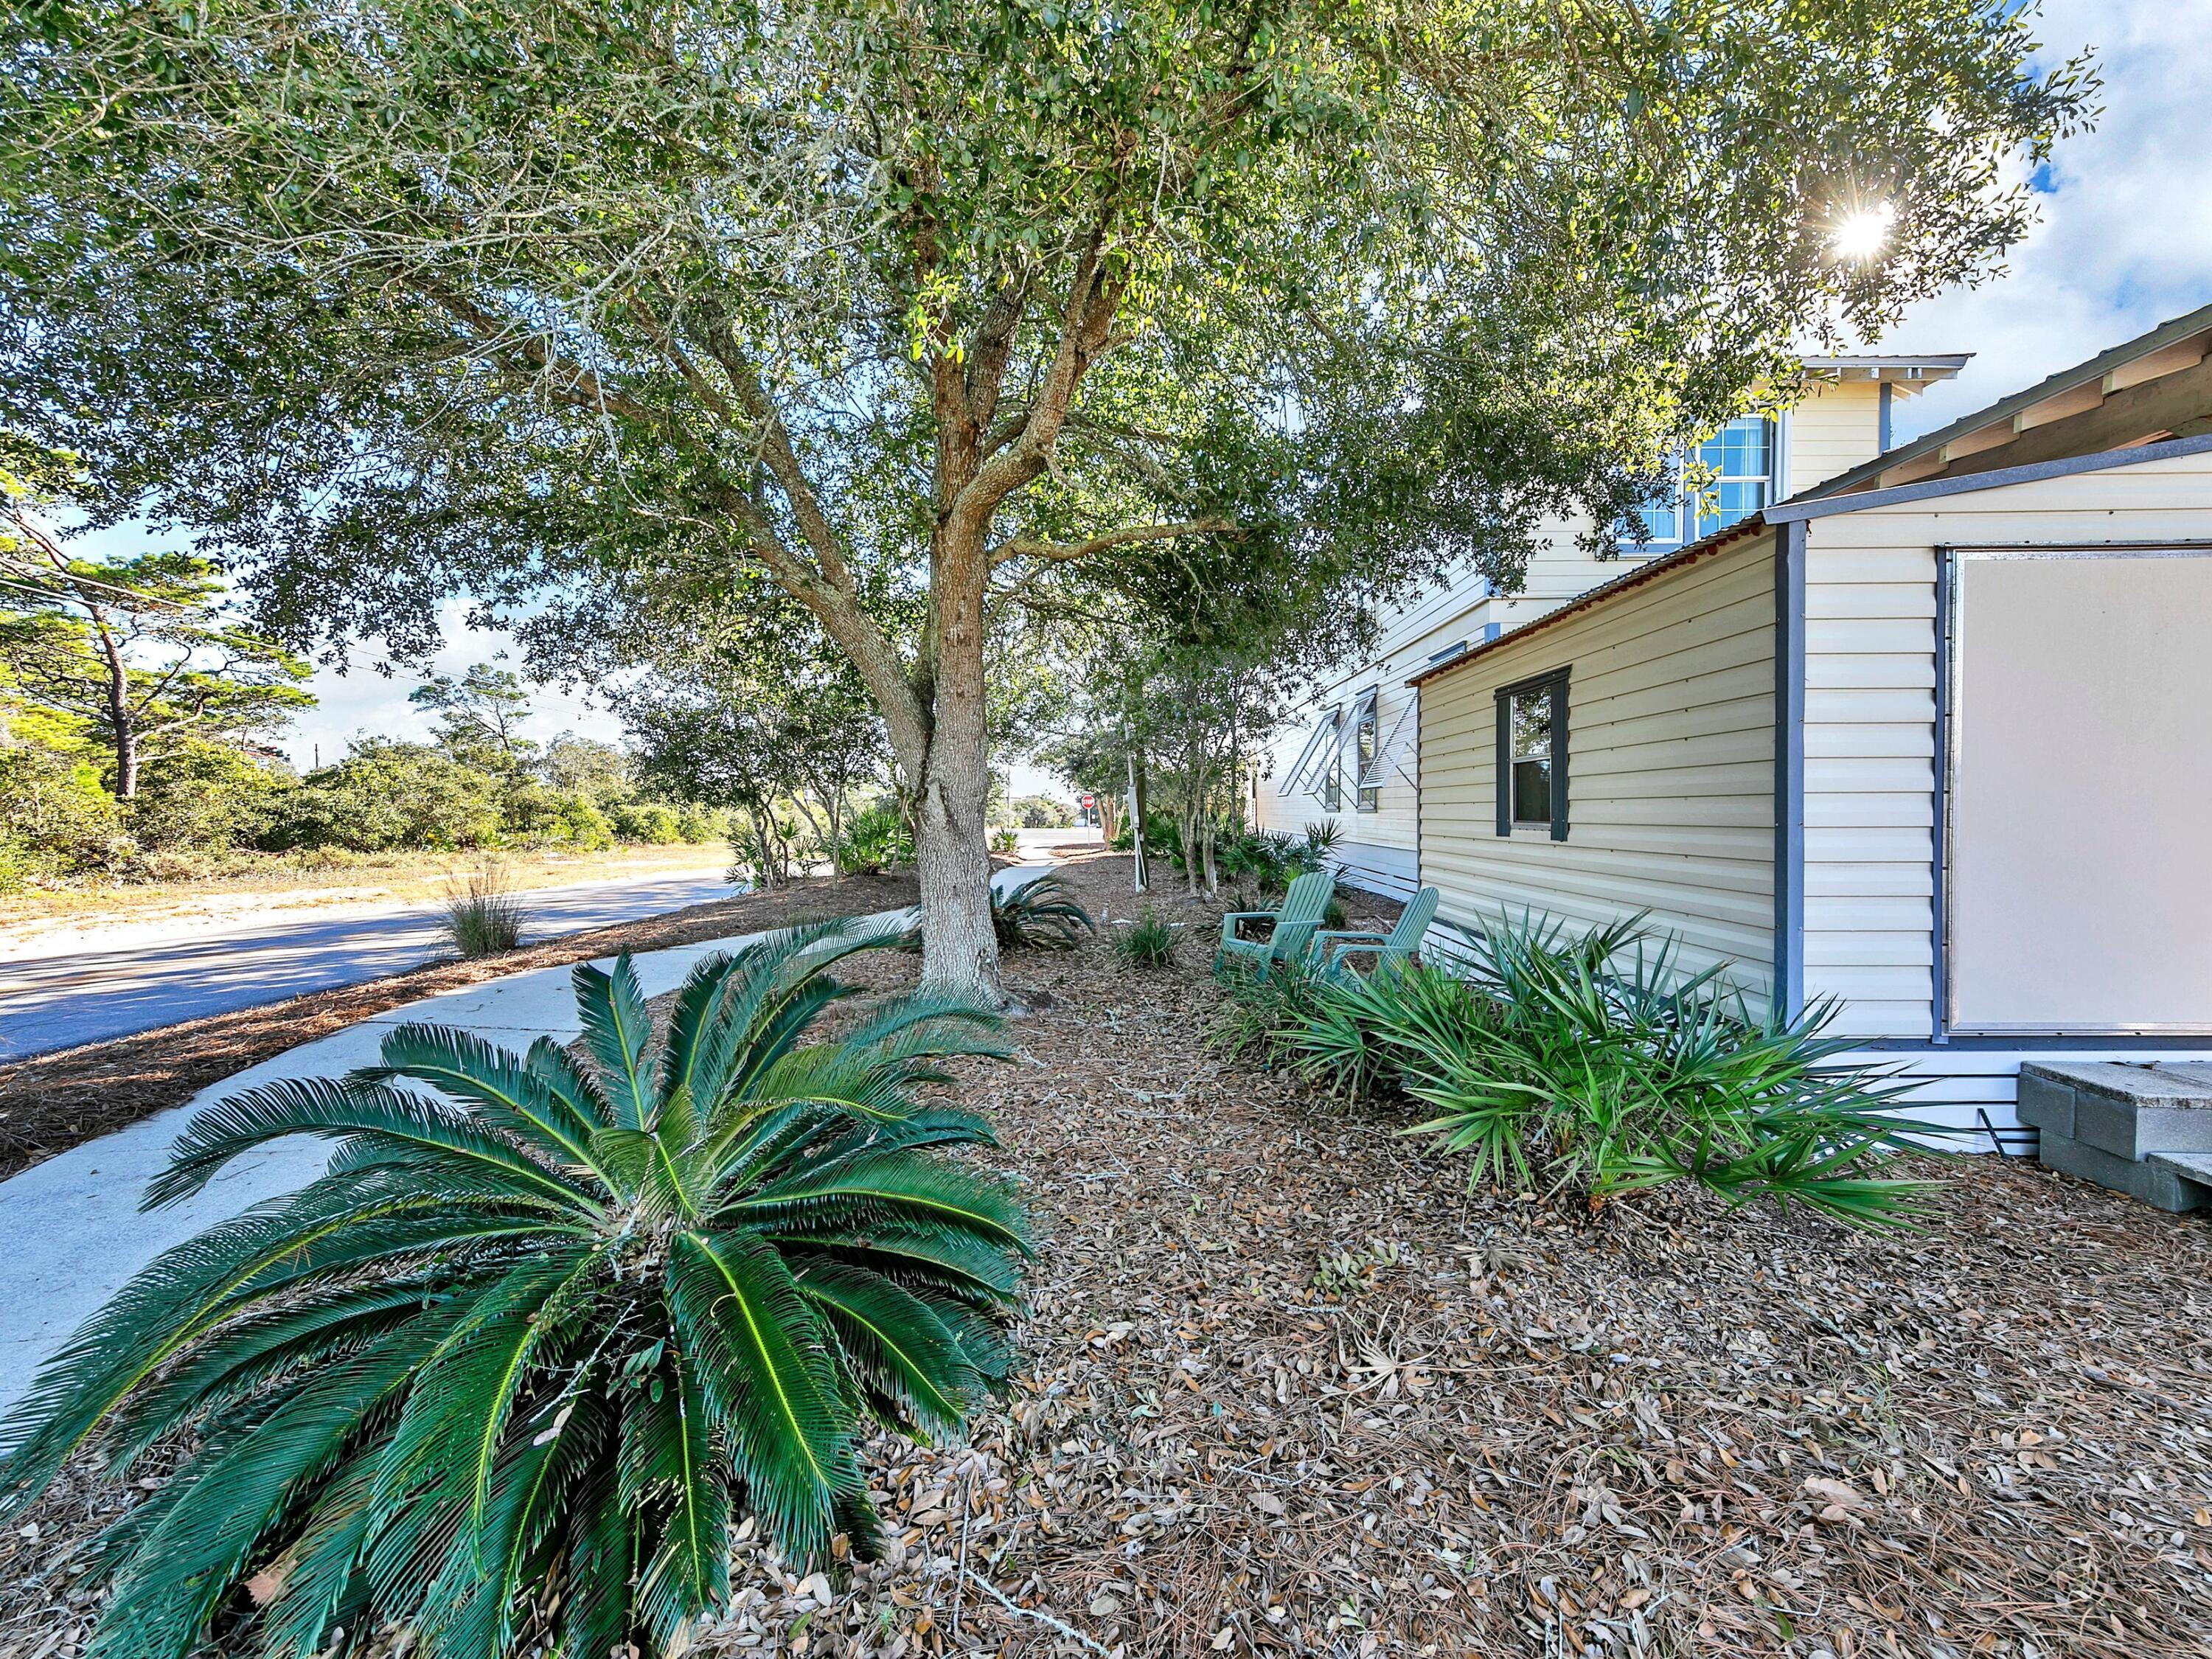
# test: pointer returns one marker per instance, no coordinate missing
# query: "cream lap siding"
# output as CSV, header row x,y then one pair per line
x,y
1836,427
1670,768
1870,668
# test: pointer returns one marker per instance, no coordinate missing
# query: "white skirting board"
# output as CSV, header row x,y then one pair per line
x,y
1387,871
1976,1088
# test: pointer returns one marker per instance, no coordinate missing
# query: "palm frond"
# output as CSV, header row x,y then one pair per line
x,y
765,1372
375,1112
900,1349
617,1028
893,1186
498,1085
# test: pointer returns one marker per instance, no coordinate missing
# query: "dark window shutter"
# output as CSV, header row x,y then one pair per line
x,y
1505,762
1560,758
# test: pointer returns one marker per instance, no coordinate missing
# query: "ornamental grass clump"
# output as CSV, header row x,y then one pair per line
x,y
484,916
1595,1064
1149,941
504,1374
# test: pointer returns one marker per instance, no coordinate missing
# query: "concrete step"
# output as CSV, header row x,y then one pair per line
x,y
2144,1129
2195,1168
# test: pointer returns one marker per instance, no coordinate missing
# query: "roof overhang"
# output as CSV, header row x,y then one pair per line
x,y
1806,507
1908,374
2156,386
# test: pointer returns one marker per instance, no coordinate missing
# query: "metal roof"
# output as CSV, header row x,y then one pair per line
x,y
1665,564
2067,379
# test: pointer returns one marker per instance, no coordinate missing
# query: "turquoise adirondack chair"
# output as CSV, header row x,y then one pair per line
x,y
1304,906
1334,945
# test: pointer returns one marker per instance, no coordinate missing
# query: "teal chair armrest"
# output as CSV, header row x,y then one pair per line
x,y
1348,933
1230,918
1292,939
1337,952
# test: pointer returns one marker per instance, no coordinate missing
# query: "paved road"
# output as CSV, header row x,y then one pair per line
x,y
59,1000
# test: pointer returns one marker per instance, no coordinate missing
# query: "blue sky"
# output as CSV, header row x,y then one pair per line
x,y
2125,241
2126,237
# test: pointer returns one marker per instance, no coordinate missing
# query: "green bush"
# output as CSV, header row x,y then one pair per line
x,y
55,816
1005,842
1043,812
1149,941
543,1324
386,795
1039,914
578,823
875,837
648,822
1593,1064
1262,1017
204,797
1271,860
697,824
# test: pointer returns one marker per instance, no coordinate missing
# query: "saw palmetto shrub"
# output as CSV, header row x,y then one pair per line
x,y
505,1373
1593,1063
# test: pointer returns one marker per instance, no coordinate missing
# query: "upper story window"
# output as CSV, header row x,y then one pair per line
x,y
1736,467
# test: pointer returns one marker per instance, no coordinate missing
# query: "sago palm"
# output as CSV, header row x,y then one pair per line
x,y
503,1375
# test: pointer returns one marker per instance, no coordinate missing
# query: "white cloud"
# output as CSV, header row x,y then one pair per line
x,y
364,700
2126,237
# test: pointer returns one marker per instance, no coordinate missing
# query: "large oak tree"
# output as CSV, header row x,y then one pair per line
x,y
910,307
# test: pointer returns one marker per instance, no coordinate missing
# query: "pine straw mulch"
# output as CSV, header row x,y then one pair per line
x,y
1287,1388
58,1100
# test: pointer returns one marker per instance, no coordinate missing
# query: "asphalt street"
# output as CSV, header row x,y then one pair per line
x,y
59,1000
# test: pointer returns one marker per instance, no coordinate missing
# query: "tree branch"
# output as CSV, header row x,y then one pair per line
x,y
1029,547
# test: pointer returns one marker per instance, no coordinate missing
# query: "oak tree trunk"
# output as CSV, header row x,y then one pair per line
x,y
953,854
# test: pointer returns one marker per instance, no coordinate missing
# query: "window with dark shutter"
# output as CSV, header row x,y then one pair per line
x,y
1532,756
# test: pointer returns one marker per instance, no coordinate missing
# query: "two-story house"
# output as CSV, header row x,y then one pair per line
x,y
1350,756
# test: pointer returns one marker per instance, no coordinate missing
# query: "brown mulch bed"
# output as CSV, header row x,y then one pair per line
x,y
50,1104
1287,1387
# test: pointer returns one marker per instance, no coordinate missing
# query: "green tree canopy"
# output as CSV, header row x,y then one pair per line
x,y
140,651
480,713
910,306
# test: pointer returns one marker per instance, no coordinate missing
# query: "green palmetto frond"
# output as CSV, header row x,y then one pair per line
x,y
506,1371
1594,1060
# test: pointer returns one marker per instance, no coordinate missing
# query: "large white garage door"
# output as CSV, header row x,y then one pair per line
x,y
2080,834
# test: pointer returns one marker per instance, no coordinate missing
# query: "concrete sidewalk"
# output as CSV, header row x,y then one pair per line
x,y
71,1233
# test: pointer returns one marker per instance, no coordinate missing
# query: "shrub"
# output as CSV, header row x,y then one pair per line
x,y
503,1374
1041,914
387,794
578,823
1263,1017
1148,942
696,825
1006,840
875,837
1043,812
55,817
484,917
1594,1063
204,797
648,822
1270,860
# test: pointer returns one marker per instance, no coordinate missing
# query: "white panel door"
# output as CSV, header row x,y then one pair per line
x,y
2080,791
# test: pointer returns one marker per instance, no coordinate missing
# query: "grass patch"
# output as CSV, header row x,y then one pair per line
x,y
483,915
